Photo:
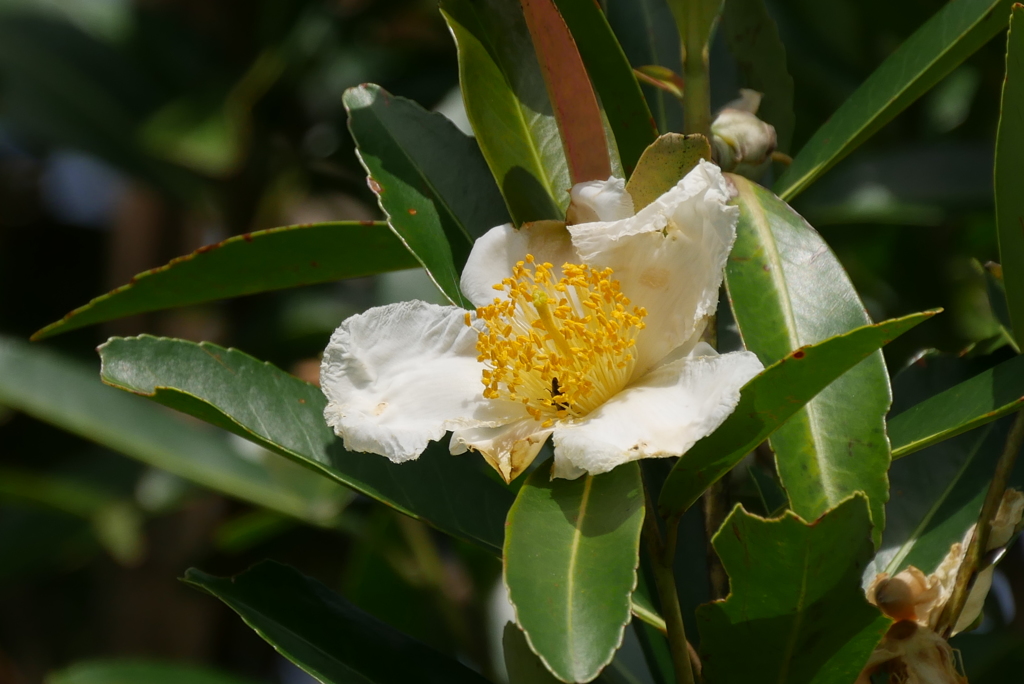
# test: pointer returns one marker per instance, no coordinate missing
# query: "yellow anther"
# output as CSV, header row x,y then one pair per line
x,y
557,345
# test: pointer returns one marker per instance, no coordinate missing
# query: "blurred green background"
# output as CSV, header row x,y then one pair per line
x,y
134,131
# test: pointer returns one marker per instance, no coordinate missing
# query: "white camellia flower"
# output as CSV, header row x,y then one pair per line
x,y
590,335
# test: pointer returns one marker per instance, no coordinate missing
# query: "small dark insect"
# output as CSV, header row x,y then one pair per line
x,y
556,392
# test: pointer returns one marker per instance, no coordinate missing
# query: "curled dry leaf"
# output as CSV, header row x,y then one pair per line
x,y
912,651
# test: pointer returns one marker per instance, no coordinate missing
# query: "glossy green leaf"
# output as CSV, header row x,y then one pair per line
x,y
246,264
324,634
508,106
67,394
936,497
970,404
754,42
796,612
613,79
132,671
571,554
278,411
572,96
788,289
768,401
524,667
949,37
647,33
430,180
522,664
1009,170
663,164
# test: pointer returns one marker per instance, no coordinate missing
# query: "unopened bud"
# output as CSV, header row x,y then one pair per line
x,y
605,200
741,142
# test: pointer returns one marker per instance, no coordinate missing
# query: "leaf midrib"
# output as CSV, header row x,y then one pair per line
x,y
573,556
547,182
776,273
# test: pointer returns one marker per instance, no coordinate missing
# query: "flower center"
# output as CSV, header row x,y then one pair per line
x,y
561,347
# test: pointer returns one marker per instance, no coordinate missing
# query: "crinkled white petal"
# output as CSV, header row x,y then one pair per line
x,y
399,376
605,200
662,414
510,449
669,258
499,249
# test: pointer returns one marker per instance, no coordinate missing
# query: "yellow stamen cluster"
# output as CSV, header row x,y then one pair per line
x,y
561,347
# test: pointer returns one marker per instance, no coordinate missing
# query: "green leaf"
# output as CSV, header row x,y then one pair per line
x,y
696,19
647,33
324,634
663,164
936,497
1009,170
796,612
985,397
572,96
508,106
644,609
613,79
768,401
246,264
523,666
754,42
430,180
267,406
571,554
68,395
788,289
949,37
996,290
138,671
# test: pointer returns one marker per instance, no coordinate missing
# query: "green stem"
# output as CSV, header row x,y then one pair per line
x,y
697,93
716,508
662,553
965,576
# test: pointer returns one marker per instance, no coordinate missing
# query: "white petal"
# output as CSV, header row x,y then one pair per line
x,y
663,414
600,201
510,449
668,258
399,376
562,467
499,249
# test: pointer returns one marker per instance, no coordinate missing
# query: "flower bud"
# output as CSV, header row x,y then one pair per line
x,y
599,201
741,142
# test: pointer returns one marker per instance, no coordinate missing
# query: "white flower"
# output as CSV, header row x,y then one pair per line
x,y
590,335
